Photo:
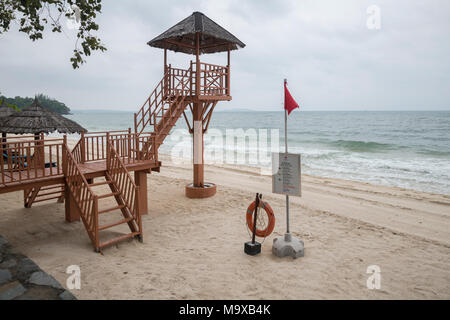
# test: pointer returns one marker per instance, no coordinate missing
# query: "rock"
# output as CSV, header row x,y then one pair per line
x,y
11,290
66,295
25,267
3,244
8,264
40,293
44,279
5,276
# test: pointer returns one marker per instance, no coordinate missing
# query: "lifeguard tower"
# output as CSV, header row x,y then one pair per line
x,y
51,168
200,87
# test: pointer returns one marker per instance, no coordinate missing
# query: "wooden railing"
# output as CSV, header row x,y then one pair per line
x,y
83,195
145,117
93,146
214,79
124,184
23,160
175,84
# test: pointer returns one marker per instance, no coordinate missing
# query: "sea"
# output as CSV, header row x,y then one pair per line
x,y
408,149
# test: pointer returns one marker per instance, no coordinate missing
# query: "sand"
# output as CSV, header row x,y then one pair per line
x,y
193,249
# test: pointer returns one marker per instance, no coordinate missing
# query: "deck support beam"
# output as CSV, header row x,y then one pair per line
x,y
140,178
71,208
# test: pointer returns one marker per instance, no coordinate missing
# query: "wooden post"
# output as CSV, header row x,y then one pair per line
x,y
129,145
228,71
197,65
71,209
140,177
83,148
108,150
198,144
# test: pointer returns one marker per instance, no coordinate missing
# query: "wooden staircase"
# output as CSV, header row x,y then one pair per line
x,y
93,204
160,112
164,107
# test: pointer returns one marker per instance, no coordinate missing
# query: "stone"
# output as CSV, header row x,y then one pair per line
x,y
41,278
10,263
11,290
40,293
66,295
5,276
3,244
25,267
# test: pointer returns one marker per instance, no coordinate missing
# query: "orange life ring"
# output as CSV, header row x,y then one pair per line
x,y
271,218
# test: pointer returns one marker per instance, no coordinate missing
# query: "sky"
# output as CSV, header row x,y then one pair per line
x,y
336,55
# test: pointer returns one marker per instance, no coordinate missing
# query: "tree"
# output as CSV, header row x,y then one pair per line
x,y
19,103
34,15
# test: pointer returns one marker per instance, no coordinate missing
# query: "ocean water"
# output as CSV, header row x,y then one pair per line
x,y
409,149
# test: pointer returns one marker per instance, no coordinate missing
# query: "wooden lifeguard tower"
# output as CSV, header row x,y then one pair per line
x,y
50,168
200,87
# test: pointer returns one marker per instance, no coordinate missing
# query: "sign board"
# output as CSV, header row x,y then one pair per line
x,y
286,174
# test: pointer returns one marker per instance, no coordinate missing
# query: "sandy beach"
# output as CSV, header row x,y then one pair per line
x,y
193,249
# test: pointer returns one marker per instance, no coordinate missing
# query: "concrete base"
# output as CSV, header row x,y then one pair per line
x,y
208,190
288,245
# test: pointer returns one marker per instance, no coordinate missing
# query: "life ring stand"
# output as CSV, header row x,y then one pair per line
x,y
270,215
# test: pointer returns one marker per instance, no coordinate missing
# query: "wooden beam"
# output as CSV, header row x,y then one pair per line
x,y
140,177
209,115
187,122
211,45
179,43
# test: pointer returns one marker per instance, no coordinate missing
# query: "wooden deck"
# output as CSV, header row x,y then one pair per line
x,y
23,179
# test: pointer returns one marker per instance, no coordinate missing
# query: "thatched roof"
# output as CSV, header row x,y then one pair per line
x,y
181,37
37,119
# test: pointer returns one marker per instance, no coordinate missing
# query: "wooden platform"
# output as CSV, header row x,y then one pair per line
x,y
23,179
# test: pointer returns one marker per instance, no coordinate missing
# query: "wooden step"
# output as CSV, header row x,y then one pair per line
x,y
111,209
110,225
107,195
100,183
115,240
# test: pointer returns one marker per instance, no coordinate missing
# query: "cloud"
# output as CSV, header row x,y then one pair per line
x,y
324,48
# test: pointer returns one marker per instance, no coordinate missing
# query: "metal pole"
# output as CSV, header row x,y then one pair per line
x,y
286,151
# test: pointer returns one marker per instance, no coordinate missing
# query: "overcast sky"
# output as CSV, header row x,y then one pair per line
x,y
331,59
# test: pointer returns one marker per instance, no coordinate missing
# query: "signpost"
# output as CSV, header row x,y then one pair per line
x,y
286,180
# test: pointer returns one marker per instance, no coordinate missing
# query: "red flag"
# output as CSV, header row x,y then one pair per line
x,y
289,102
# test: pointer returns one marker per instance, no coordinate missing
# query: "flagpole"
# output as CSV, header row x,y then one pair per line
x,y
287,245
286,151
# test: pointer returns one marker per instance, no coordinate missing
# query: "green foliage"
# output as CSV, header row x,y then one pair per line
x,y
34,15
9,105
45,101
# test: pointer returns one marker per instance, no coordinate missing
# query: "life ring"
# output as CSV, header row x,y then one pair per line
x,y
270,217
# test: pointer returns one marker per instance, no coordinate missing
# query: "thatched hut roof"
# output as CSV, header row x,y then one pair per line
x,y
37,119
181,37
